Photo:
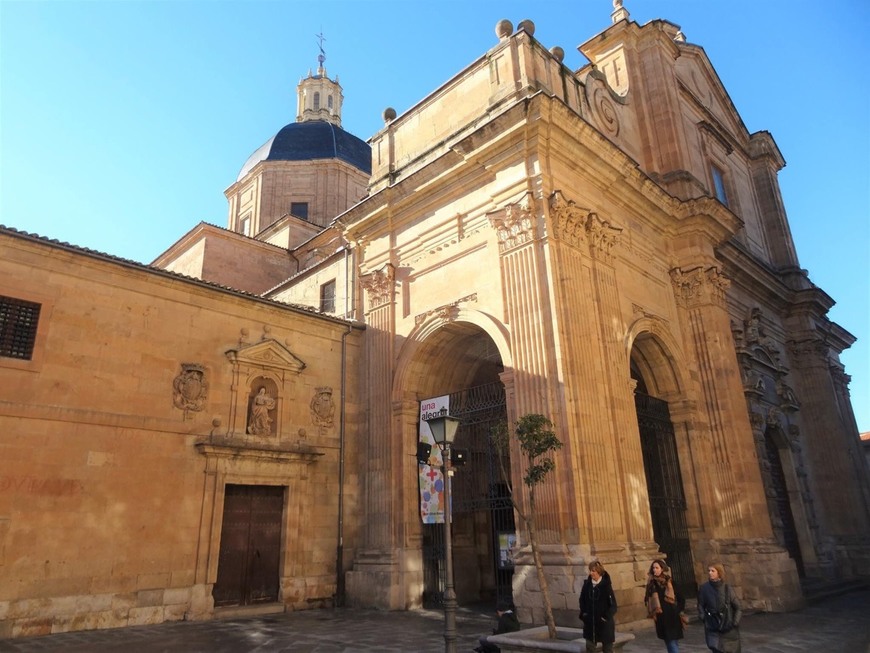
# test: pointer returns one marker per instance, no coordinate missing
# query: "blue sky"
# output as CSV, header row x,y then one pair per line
x,y
121,123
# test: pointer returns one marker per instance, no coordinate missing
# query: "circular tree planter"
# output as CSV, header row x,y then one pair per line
x,y
537,640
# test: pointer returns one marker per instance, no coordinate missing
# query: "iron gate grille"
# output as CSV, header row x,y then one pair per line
x,y
478,494
665,487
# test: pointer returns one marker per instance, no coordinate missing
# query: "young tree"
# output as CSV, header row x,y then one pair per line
x,y
537,441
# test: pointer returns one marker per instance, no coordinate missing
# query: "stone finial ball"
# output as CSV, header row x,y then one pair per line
x,y
504,28
558,53
528,26
389,114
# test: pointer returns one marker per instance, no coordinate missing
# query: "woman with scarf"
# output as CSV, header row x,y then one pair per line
x,y
720,612
598,609
665,605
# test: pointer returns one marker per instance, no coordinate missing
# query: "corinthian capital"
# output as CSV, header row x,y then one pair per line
x,y
514,224
569,220
699,285
379,285
603,236
577,226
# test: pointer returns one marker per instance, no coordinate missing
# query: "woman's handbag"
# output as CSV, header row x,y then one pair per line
x,y
714,621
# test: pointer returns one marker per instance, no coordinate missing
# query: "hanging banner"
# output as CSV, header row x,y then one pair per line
x,y
431,478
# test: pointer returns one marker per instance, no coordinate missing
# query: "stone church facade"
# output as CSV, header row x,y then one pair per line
x,y
605,246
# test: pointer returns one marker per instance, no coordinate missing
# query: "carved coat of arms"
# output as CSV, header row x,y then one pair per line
x,y
322,407
190,389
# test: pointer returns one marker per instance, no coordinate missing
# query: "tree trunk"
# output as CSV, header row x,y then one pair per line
x,y
539,567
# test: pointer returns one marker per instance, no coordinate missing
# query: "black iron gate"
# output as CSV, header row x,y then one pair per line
x,y
483,514
664,483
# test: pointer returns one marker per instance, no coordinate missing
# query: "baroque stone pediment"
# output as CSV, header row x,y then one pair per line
x,y
267,354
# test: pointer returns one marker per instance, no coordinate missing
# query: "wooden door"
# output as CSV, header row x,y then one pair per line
x,y
250,549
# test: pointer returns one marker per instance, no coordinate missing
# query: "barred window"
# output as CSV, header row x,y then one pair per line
x,y
18,321
327,297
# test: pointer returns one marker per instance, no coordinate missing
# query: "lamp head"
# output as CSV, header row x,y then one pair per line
x,y
443,427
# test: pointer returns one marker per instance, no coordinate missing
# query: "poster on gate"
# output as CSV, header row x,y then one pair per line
x,y
431,478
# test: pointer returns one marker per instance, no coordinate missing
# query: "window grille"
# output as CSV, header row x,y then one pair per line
x,y
18,322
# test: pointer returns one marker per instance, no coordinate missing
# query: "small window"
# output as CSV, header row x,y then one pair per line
x,y
316,101
18,322
329,102
719,185
327,297
245,225
299,209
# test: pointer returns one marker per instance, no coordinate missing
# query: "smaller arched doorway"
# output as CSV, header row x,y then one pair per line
x,y
782,517
661,464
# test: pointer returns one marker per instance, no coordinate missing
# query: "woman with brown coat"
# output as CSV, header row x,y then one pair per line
x,y
665,605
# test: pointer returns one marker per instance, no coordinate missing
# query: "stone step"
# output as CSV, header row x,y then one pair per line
x,y
818,589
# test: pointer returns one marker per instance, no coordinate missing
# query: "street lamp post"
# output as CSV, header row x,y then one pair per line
x,y
443,429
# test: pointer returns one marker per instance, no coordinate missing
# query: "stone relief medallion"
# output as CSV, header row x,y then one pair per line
x,y
190,389
322,407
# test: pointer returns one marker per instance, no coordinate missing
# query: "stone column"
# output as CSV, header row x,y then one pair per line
x,y
526,304
373,580
599,405
831,440
532,387
735,497
735,521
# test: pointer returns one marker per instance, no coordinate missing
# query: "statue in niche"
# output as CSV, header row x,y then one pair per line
x,y
752,380
754,330
737,334
260,422
786,393
756,335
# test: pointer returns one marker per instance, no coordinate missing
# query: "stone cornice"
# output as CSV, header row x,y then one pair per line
x,y
753,277
705,216
236,449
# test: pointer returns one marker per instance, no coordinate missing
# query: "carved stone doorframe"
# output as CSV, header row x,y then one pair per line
x,y
228,463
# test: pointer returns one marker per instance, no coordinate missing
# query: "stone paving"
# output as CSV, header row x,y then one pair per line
x,y
836,625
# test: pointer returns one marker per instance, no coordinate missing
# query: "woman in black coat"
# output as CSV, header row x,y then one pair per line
x,y
664,605
598,609
720,612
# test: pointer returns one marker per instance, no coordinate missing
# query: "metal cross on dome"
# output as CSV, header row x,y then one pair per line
x,y
321,38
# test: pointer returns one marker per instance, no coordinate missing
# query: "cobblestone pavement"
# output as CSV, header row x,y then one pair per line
x,y
836,625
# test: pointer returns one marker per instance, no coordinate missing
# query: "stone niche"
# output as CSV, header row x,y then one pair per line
x,y
263,391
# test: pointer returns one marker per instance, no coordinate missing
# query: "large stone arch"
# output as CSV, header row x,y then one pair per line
x,y
651,346
665,425
449,351
418,365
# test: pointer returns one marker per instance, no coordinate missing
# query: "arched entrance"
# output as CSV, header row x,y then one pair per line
x,y
483,515
661,462
779,500
460,360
